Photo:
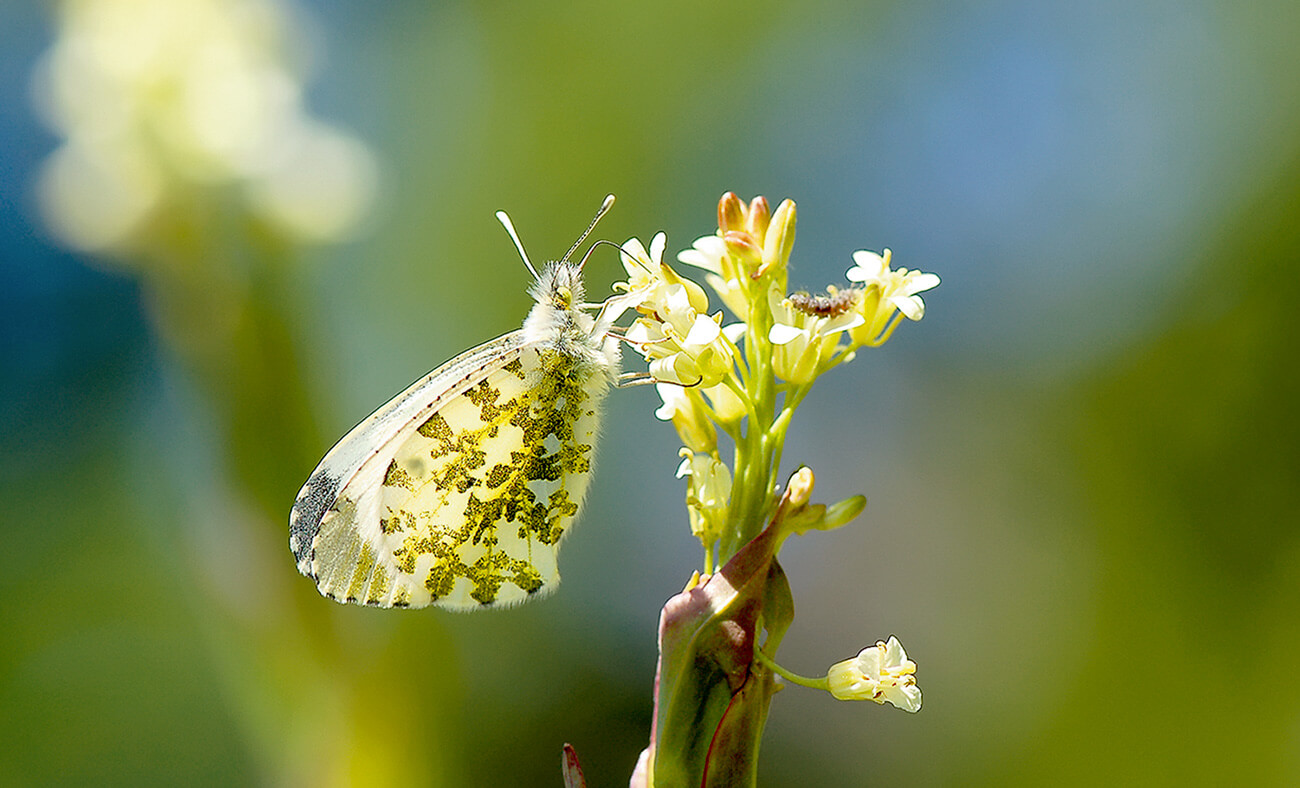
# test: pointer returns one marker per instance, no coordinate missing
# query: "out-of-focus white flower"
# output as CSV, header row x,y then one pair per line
x,y
159,98
710,254
881,673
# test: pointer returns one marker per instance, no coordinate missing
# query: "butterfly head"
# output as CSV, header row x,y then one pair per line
x,y
559,286
558,315
558,291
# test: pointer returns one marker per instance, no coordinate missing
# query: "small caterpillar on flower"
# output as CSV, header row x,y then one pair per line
x,y
835,302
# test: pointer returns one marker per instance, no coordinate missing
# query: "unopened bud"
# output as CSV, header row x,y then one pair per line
x,y
742,246
760,213
779,239
838,514
800,488
731,213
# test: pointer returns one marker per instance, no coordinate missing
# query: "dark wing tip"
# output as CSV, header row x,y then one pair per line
x,y
314,500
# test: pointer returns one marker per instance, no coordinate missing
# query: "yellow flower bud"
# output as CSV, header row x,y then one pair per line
x,y
726,405
778,241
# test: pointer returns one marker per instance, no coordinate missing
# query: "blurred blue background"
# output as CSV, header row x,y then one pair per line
x,y
1082,465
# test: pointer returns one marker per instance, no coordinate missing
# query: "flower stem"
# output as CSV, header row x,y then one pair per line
x,y
793,678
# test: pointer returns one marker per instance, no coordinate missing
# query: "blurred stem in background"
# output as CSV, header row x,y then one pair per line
x,y
189,160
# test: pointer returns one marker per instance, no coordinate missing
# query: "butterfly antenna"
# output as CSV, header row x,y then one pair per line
x,y
602,242
504,218
604,209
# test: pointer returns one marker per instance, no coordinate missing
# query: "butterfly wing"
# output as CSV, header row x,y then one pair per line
x,y
457,492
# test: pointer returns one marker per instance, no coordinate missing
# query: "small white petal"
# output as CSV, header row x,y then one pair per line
x,y
640,333
911,306
616,305
674,399
906,697
702,332
868,259
870,661
678,299
894,653
706,253
657,245
632,250
841,323
781,334
917,284
868,266
694,257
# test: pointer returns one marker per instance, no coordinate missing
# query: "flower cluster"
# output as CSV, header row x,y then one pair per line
x,y
747,376
744,376
684,344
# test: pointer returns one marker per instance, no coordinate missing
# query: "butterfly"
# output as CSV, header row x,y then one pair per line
x,y
459,490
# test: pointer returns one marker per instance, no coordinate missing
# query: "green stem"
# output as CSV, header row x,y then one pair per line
x,y
751,492
793,678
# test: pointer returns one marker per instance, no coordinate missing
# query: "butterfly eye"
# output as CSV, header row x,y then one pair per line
x,y
564,295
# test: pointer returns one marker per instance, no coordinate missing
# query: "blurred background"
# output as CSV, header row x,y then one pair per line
x,y
229,229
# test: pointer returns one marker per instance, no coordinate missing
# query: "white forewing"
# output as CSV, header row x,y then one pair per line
x,y
381,433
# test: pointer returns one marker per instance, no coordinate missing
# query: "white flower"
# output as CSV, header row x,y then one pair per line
x,y
886,291
682,345
710,254
683,408
648,276
803,341
642,267
881,673
163,97
707,252
708,495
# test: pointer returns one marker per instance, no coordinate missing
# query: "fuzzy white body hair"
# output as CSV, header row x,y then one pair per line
x,y
557,320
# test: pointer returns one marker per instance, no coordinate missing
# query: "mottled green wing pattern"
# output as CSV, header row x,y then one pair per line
x,y
469,508
359,459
